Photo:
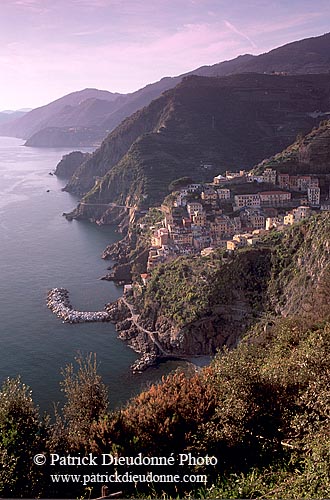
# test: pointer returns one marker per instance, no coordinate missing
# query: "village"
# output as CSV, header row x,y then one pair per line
x,y
231,212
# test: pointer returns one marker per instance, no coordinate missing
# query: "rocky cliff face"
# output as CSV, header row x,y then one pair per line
x,y
199,304
113,149
69,163
309,154
196,305
301,270
66,137
197,123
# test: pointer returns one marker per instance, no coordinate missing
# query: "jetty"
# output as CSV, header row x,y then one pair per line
x,y
58,302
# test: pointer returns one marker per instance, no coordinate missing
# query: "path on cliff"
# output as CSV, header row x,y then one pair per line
x,y
134,319
103,205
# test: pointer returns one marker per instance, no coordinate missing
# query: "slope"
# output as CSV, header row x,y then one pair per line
x,y
197,123
54,113
301,57
198,304
309,154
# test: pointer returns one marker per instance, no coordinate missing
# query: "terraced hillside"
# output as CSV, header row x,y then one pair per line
x,y
219,122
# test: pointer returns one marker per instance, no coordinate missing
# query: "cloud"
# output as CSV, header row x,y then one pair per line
x,y
36,6
94,4
27,3
122,45
89,32
233,28
289,22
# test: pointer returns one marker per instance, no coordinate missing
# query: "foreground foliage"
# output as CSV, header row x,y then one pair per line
x,y
262,409
22,435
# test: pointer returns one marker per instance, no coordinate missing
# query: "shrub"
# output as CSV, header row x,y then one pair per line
x,y
22,436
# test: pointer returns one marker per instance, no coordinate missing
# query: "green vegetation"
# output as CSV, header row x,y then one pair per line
x,y
284,272
308,154
189,288
262,409
178,184
197,123
22,435
87,400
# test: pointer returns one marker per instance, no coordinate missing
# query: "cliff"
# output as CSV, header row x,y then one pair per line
x,y
309,154
116,146
54,137
198,304
69,163
196,124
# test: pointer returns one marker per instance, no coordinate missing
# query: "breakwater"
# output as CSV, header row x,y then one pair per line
x,y
59,303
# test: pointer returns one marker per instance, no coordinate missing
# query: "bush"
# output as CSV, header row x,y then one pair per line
x,y
22,436
87,399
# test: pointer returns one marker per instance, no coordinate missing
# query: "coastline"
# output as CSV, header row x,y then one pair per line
x,y
124,316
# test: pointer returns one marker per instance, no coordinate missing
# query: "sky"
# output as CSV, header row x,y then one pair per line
x,y
49,48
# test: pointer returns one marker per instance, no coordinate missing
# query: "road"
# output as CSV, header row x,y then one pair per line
x,y
134,318
109,205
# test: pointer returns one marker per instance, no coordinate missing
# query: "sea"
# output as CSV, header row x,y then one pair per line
x,y
39,250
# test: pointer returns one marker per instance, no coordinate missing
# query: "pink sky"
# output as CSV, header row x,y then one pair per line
x,y
49,48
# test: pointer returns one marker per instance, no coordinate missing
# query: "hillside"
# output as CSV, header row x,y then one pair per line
x,y
307,56
66,137
6,116
198,123
70,163
70,110
301,57
198,304
257,418
308,154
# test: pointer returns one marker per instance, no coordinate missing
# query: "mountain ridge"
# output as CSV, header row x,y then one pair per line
x,y
38,118
198,123
309,55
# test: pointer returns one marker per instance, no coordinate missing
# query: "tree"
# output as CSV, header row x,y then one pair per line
x,y
87,399
22,435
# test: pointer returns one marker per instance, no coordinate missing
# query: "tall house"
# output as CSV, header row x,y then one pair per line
x,y
301,213
219,227
269,176
209,195
274,198
304,182
314,195
257,221
159,237
199,218
219,179
296,215
284,181
246,200
194,206
273,222
223,194
297,182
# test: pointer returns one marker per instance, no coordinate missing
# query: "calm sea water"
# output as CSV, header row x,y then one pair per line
x,y
40,249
